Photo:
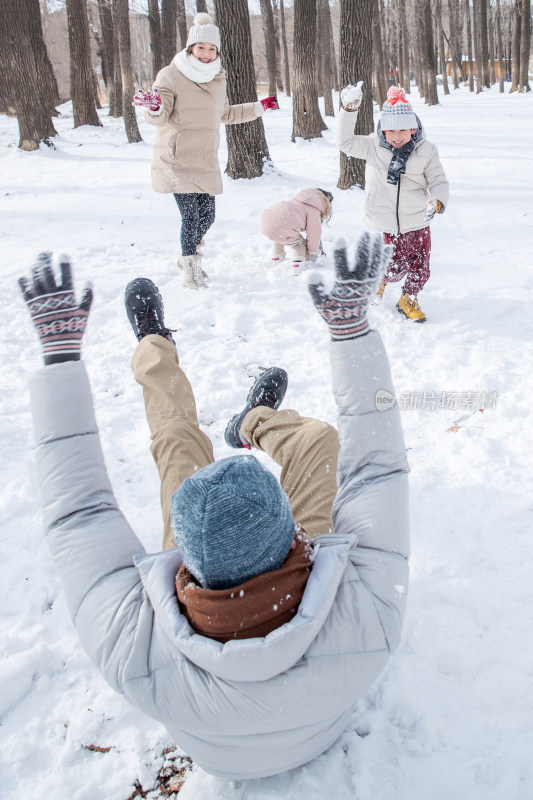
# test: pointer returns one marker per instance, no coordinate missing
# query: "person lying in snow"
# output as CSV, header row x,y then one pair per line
x,y
405,186
271,609
284,222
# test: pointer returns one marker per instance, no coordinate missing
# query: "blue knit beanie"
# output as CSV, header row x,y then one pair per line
x,y
232,521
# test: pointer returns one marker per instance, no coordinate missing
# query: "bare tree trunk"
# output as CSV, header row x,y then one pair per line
x,y
13,49
492,68
356,65
105,13
306,119
515,45
327,70
416,22
499,37
421,65
43,64
285,50
468,18
403,46
96,90
379,11
525,42
334,70
117,73
277,37
201,6
169,13
101,54
247,147
181,21
20,81
443,61
455,47
477,46
154,20
270,44
387,46
429,55
318,55
81,80
380,85
122,22
483,36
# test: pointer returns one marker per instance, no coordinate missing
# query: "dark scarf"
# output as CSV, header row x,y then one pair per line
x,y
254,608
399,157
398,161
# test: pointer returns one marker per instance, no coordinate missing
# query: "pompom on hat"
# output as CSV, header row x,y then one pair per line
x,y
397,112
203,29
232,521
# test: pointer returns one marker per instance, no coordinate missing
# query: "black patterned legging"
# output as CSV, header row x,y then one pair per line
x,y
197,215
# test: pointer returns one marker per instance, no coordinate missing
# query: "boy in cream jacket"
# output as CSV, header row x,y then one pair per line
x,y
405,187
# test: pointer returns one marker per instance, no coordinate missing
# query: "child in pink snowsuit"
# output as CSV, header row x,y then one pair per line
x,y
286,221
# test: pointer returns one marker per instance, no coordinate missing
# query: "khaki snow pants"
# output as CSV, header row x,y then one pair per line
x,y
305,448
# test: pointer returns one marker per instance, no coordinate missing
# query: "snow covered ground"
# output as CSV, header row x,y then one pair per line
x,y
451,717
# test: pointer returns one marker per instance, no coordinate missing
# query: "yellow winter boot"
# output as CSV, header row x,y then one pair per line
x,y
378,297
408,305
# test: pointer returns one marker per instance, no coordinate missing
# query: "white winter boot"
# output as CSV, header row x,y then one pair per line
x,y
193,275
182,264
278,253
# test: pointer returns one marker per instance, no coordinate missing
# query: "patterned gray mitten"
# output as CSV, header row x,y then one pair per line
x,y
60,321
344,309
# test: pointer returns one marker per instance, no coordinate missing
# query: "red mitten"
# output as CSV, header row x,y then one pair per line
x,y
269,102
150,100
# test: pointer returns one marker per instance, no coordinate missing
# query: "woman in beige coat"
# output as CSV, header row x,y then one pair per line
x,y
188,105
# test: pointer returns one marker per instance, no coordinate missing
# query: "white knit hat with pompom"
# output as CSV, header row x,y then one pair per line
x,y
204,29
397,112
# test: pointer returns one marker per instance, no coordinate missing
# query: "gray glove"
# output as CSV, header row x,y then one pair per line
x,y
60,321
344,309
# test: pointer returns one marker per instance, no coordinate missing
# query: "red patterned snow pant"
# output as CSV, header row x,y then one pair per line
x,y
410,257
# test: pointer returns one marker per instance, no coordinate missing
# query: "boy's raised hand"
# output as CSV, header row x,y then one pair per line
x,y
344,309
351,96
59,319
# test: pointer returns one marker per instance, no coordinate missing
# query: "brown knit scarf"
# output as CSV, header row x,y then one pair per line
x,y
254,608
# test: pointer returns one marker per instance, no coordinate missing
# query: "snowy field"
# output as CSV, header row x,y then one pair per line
x,y
451,716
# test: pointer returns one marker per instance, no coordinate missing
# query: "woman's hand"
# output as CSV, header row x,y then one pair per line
x,y
150,100
269,102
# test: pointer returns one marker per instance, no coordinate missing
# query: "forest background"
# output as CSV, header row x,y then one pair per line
x,y
102,51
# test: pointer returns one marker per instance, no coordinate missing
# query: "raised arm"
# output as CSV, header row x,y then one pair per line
x,y
347,141
91,543
372,501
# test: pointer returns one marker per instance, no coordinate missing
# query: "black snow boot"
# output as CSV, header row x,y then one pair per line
x,y
268,390
144,308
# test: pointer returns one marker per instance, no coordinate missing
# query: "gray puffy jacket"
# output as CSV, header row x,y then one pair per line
x,y
253,707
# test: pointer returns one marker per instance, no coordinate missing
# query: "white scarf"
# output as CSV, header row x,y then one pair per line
x,y
195,70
